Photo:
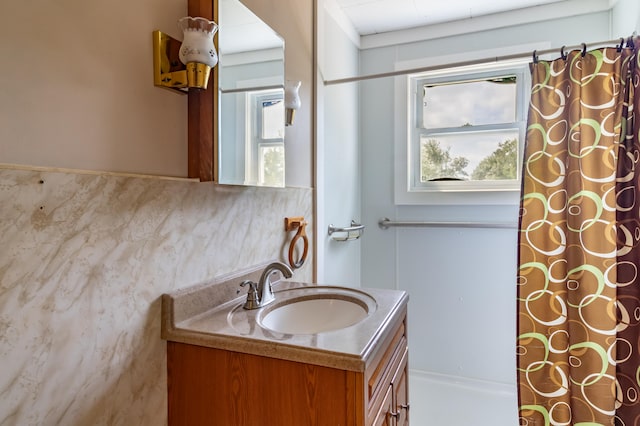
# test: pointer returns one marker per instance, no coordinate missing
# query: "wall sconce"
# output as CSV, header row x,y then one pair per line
x,y
185,65
291,100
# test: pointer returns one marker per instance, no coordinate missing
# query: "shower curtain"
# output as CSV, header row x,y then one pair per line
x,y
579,254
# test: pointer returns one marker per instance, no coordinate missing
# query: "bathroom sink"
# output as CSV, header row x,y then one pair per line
x,y
317,313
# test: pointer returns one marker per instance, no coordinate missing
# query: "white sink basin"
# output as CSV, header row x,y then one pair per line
x,y
315,314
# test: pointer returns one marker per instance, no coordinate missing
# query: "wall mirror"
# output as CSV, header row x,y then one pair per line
x,y
250,99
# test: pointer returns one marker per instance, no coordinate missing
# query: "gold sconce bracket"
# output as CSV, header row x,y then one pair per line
x,y
169,72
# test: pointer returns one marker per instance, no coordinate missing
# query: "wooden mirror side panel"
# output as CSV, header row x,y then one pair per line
x,y
202,116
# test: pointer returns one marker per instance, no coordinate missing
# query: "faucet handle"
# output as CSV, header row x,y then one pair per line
x,y
253,287
252,301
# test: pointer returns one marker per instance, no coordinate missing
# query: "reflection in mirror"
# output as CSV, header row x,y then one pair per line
x,y
251,99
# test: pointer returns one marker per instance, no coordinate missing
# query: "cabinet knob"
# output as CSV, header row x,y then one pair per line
x,y
394,415
404,406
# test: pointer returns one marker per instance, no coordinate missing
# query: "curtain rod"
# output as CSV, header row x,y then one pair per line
x,y
533,54
252,89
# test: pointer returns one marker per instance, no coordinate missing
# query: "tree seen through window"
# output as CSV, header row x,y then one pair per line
x,y
438,163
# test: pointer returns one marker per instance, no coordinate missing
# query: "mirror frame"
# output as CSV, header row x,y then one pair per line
x,y
202,111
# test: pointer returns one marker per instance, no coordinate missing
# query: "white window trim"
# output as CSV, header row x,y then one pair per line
x,y
253,139
447,194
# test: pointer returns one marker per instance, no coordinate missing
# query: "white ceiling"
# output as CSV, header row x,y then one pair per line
x,y
379,16
371,23
236,23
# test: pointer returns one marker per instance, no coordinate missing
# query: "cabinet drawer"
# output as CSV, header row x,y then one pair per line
x,y
384,367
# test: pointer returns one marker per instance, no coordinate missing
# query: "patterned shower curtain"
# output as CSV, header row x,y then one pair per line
x,y
579,243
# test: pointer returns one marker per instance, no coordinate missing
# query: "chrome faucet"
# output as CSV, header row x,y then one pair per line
x,y
261,294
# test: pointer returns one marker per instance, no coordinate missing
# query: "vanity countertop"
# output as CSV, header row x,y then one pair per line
x,y
212,316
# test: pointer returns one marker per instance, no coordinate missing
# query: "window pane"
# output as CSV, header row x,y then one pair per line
x,y
469,156
271,165
470,103
273,119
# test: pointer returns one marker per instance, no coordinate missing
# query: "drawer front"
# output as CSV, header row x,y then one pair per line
x,y
384,368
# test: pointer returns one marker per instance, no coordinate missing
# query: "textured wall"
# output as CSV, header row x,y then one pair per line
x,y
84,260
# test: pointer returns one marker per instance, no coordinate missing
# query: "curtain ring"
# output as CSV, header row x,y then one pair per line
x,y
584,49
535,57
563,55
621,45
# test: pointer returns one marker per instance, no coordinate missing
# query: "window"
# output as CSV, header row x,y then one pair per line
x,y
266,140
466,131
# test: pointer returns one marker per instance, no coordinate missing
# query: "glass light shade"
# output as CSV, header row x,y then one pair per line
x,y
291,95
197,44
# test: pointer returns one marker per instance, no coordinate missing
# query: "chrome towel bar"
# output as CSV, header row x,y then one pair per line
x,y
386,223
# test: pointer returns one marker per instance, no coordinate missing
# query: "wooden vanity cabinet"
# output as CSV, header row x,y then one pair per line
x,y
208,386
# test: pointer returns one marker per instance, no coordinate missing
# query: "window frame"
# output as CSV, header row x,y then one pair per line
x,y
408,188
254,135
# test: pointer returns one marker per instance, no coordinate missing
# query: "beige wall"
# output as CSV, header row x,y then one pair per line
x,y
79,91
85,257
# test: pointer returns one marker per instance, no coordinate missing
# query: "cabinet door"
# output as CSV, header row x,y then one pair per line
x,y
400,385
208,386
384,418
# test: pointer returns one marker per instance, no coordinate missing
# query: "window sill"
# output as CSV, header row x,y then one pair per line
x,y
458,197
